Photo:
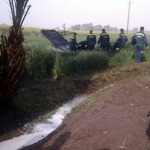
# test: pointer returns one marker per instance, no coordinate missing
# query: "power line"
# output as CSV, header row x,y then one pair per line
x,y
129,13
141,3
148,10
143,6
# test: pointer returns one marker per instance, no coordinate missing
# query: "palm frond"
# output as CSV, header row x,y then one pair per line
x,y
19,10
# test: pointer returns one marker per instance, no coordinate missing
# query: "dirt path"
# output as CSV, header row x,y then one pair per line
x,y
116,120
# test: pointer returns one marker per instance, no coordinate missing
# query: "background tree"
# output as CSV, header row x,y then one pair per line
x,y
64,27
90,26
135,29
98,27
76,27
108,27
12,57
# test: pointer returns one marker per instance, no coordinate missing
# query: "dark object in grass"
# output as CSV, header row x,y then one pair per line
x,y
115,46
57,39
148,114
82,45
133,42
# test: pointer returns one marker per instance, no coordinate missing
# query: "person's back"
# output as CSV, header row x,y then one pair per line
x,y
73,42
140,39
123,39
104,40
91,40
120,42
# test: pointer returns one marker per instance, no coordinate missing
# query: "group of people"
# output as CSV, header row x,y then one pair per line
x,y
103,41
138,39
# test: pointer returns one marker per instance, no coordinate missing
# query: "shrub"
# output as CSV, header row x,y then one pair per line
x,y
40,61
78,62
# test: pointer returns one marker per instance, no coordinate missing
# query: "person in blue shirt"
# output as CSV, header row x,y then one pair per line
x,y
140,40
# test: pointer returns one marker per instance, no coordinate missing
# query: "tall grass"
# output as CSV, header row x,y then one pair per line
x,y
42,62
72,63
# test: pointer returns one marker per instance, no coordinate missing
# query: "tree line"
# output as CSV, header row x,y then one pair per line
x,y
90,26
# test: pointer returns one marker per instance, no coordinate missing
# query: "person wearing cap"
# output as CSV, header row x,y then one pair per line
x,y
104,40
73,42
140,39
121,40
91,40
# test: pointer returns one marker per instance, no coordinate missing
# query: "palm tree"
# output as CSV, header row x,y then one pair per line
x,y
12,53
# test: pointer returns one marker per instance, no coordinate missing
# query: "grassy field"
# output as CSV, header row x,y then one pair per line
x,y
28,31
44,65
52,78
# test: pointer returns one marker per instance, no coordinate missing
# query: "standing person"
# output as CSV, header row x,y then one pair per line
x,y
140,38
91,40
73,42
121,40
104,40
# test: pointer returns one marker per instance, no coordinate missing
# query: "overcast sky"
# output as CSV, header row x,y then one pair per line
x,y
54,13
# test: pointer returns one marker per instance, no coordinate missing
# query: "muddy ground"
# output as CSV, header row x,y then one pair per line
x,y
116,120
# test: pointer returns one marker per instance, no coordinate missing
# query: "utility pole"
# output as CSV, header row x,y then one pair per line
x,y
128,17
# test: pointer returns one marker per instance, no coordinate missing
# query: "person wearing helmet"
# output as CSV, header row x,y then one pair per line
x,y
73,42
104,40
91,40
140,39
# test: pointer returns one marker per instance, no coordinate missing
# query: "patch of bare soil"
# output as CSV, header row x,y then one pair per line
x,y
116,120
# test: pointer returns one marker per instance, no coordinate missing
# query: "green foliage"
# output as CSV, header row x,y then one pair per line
x,y
83,61
40,61
19,10
39,96
120,58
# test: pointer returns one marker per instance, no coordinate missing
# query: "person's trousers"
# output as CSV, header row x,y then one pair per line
x,y
104,47
90,46
138,52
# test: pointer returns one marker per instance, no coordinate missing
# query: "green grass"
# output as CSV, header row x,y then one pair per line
x,y
30,40
52,78
83,106
43,62
38,97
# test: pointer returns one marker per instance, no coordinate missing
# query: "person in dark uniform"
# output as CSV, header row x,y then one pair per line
x,y
104,40
82,45
91,40
121,40
73,42
140,38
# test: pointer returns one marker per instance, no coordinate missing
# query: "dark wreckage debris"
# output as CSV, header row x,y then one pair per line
x,y
57,39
